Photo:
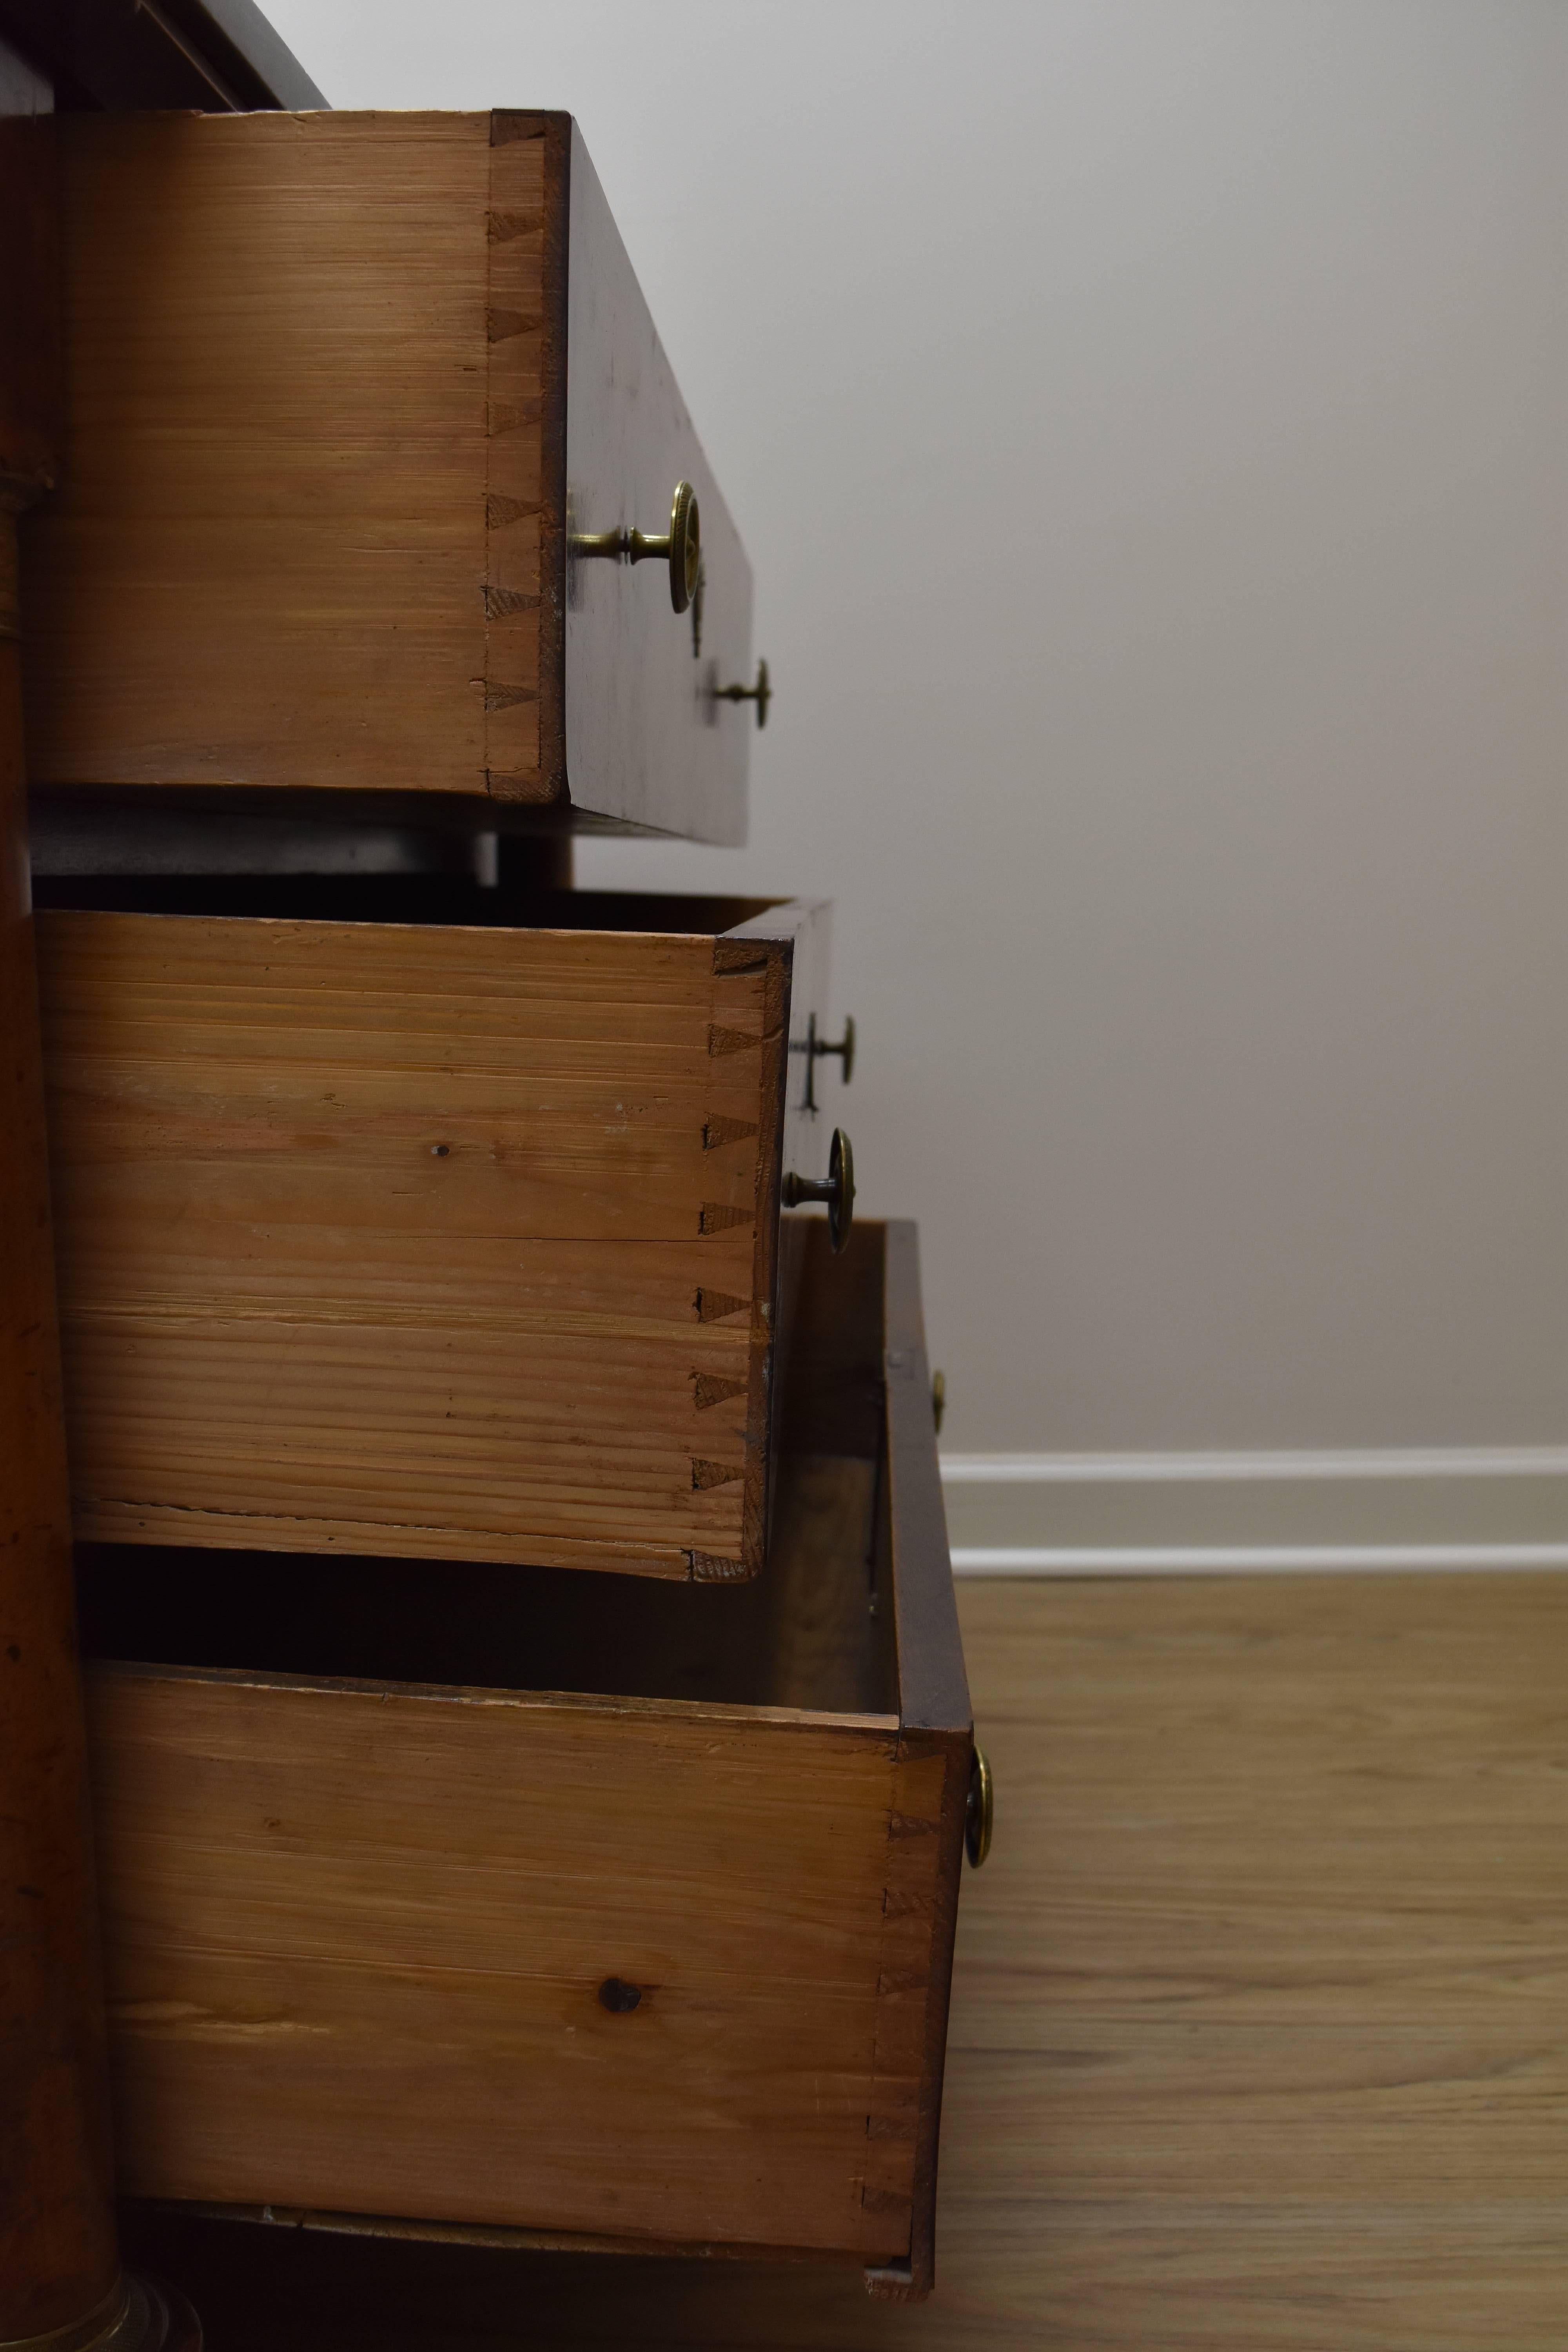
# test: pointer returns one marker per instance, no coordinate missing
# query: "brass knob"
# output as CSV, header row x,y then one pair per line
x,y
977,1810
836,1189
761,694
938,1399
681,546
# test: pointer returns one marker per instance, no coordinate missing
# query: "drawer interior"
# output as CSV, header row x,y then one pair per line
x,y
816,1633
453,898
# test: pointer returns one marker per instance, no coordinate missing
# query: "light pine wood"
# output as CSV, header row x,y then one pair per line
x,y
357,1930
449,1243
269,561
358,1935
1258,2030
314,536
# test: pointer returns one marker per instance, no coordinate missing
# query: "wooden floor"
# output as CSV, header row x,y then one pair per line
x,y
1260,2022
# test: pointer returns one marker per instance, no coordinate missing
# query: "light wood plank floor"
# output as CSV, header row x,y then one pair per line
x,y
1260,2020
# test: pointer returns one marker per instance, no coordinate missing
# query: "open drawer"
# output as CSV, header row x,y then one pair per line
x,y
473,1903
376,483
422,1219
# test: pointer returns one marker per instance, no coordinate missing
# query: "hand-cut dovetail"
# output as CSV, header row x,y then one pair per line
x,y
501,325
716,1218
899,2127
711,1568
714,1473
727,1130
893,1981
729,1041
713,1305
905,1906
739,955
500,602
708,1389
507,125
506,697
501,227
883,2201
499,512
905,1825
506,416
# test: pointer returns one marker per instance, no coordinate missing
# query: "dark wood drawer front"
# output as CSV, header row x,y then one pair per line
x,y
503,1910
446,1238
647,735
342,389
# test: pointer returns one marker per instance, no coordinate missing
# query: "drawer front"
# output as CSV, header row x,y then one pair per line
x,y
667,1971
647,733
414,1240
316,540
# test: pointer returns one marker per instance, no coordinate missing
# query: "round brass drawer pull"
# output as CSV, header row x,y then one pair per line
x,y
977,1810
761,694
681,546
836,1189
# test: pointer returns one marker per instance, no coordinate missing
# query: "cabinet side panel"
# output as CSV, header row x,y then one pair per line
x,y
267,562
357,1938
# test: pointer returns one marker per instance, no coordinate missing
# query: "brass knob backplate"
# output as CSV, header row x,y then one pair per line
x,y
837,1190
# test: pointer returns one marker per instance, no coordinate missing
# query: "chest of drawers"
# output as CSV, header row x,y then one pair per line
x,y
484,1904
368,431
452,1237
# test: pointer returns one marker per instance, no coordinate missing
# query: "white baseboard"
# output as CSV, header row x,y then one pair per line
x,y
1352,1512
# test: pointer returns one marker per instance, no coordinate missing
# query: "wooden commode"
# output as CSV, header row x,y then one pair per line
x,y
424,1235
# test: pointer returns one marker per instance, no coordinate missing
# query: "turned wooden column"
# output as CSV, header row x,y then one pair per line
x,y
57,2256
61,2280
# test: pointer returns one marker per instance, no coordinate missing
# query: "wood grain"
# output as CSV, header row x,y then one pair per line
x,y
267,564
417,1239
358,1936
313,533
1258,2016
357,1925
525,330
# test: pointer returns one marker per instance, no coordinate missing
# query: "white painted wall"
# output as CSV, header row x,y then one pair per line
x,y
1149,424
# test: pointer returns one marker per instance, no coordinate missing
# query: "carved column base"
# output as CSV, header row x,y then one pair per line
x,y
138,2315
